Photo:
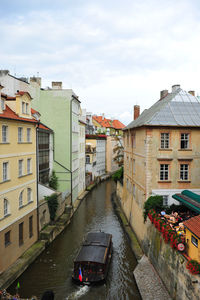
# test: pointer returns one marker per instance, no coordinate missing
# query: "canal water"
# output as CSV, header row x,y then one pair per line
x,y
53,268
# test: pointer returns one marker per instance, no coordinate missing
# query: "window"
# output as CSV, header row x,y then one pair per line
x,y
7,238
5,207
87,159
194,241
29,166
184,172
23,107
30,226
20,169
28,135
4,134
164,172
165,200
184,140
27,108
20,132
164,142
21,199
29,195
21,233
134,190
133,166
5,171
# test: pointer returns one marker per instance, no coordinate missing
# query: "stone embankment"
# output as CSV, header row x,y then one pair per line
x,y
47,235
149,283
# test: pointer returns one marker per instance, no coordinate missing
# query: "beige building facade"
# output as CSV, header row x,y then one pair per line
x,y
18,183
161,153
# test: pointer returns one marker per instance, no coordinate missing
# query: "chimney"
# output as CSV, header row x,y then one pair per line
x,y
57,85
175,87
192,93
35,80
136,111
103,116
163,94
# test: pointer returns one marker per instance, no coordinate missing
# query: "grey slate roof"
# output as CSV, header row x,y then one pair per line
x,y
176,109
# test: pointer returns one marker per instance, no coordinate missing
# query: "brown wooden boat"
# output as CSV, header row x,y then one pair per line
x,y
92,263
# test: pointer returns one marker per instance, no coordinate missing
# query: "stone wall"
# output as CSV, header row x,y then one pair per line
x,y
170,264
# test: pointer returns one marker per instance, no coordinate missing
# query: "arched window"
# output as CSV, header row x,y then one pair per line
x,y
6,207
21,199
29,195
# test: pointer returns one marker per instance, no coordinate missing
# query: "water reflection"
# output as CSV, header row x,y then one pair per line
x,y
53,269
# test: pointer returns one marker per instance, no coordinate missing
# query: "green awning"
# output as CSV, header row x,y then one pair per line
x,y
189,199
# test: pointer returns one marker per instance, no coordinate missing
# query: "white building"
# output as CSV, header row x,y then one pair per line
x,y
81,171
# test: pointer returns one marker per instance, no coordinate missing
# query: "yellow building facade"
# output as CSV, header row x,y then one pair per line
x,y
161,154
192,237
18,183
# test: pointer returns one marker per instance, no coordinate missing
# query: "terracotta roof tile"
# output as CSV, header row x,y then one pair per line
x,y
193,225
108,123
10,114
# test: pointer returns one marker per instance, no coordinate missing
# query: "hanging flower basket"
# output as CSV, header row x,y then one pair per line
x,y
193,266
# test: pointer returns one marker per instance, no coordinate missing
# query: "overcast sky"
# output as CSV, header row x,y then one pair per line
x,y
112,53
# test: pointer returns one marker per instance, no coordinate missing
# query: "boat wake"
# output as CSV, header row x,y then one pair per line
x,y
80,292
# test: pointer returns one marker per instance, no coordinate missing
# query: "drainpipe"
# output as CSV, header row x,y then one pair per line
x,y
37,177
71,150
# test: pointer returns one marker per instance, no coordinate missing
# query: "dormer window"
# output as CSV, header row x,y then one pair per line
x,y
27,108
23,107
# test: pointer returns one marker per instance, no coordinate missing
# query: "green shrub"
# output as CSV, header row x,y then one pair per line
x,y
52,205
53,182
153,202
118,175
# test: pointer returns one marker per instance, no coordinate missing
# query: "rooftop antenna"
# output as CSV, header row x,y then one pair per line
x,y
37,74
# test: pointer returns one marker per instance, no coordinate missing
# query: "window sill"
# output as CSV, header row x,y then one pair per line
x,y
5,181
24,175
164,181
21,244
4,143
185,149
7,244
20,207
24,142
6,216
184,181
165,149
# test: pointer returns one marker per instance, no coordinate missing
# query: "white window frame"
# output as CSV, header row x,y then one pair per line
x,y
4,132
194,241
184,172
20,134
5,170
21,199
28,135
164,140
164,172
165,200
29,195
23,107
5,207
29,166
87,159
20,167
185,140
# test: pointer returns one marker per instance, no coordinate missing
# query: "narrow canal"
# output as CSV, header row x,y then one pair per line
x,y
53,268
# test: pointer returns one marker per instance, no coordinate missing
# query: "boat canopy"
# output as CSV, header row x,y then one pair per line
x,y
94,248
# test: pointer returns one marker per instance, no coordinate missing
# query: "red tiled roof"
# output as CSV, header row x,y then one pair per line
x,y
33,111
193,225
108,123
42,126
10,114
21,93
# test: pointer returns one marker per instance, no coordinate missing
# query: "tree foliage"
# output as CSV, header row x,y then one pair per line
x,y
118,175
52,205
153,202
53,181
